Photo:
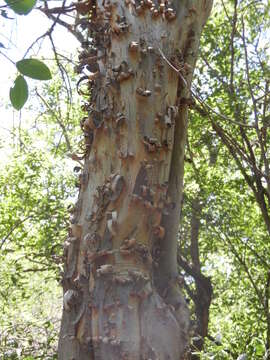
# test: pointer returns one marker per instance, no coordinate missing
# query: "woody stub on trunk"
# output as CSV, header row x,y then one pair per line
x,y
122,298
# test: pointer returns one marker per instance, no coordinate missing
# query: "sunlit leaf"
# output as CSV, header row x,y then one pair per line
x,y
21,7
19,93
34,69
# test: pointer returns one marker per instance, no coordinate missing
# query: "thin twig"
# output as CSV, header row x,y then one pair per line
x,y
60,123
173,67
8,58
14,227
196,96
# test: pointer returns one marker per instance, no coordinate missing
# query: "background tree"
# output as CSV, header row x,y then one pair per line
x,y
37,182
232,104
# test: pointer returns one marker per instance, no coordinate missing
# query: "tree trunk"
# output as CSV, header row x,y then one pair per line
x,y
121,293
203,292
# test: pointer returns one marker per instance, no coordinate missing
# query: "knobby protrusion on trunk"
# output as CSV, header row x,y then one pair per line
x,y
122,298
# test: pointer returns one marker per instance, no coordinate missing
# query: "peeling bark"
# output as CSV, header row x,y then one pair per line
x,y
121,294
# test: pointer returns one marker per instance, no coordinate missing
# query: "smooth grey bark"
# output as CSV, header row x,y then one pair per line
x,y
122,299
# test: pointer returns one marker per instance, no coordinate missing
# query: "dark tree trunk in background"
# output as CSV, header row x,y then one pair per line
x,y
121,294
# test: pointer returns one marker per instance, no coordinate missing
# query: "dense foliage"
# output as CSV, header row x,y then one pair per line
x,y
225,222
224,246
38,188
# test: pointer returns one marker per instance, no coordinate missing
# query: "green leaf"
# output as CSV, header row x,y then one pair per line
x,y
18,94
21,7
34,68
